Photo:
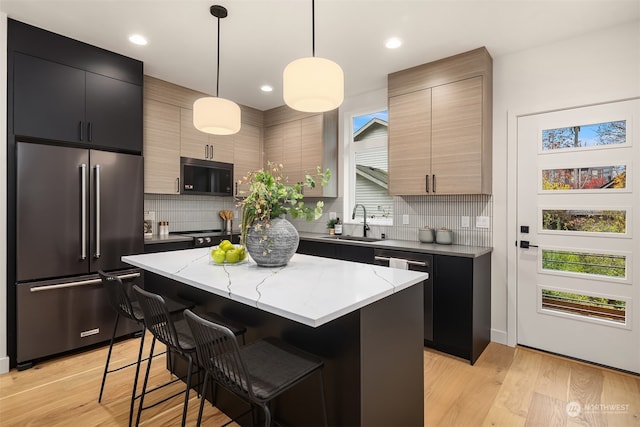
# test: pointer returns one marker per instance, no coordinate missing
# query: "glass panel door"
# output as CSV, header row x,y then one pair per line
x,y
577,210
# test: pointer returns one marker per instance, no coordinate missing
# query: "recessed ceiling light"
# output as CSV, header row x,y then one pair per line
x,y
138,39
393,43
266,88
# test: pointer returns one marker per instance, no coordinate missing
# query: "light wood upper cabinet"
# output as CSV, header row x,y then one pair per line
x,y
410,143
246,155
161,147
456,132
199,145
440,118
301,142
312,152
169,134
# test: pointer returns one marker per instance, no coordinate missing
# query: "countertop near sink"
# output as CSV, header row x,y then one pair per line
x,y
406,245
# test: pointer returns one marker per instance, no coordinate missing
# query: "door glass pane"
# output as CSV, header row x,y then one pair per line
x,y
581,136
585,178
587,263
585,305
585,220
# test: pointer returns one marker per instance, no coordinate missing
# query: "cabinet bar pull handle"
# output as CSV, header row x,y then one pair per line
x,y
206,151
89,132
426,183
433,186
83,211
410,262
177,185
97,255
81,130
79,283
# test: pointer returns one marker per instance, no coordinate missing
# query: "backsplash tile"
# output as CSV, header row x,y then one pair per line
x,y
435,211
186,213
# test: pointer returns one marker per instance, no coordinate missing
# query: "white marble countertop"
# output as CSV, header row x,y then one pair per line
x,y
310,290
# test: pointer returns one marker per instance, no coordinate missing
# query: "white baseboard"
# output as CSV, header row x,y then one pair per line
x,y
4,364
499,336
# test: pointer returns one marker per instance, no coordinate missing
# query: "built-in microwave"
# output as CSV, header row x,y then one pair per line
x,y
205,177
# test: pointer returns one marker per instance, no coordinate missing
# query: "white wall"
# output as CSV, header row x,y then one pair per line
x,y
4,359
597,67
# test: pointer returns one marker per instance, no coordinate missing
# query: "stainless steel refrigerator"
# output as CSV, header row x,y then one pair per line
x,y
77,211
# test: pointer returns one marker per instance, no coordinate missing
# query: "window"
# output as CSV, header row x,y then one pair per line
x,y
368,169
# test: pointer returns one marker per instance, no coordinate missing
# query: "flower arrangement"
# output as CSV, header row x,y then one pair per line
x,y
270,196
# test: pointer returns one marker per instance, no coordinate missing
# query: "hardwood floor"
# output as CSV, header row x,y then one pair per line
x,y
506,387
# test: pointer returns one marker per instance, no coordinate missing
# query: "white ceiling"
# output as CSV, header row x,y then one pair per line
x,y
259,37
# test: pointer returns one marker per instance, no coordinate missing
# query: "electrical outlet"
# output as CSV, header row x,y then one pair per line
x,y
405,219
333,215
464,222
482,222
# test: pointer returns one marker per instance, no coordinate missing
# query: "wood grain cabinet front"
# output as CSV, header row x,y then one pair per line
x,y
440,127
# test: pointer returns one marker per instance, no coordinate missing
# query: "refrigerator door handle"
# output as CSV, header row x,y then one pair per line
x,y
97,254
80,283
83,214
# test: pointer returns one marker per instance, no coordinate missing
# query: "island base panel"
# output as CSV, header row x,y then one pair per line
x,y
373,372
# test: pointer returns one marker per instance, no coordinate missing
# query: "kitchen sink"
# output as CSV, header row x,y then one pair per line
x,y
352,238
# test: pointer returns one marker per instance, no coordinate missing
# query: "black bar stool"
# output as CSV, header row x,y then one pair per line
x,y
257,372
126,306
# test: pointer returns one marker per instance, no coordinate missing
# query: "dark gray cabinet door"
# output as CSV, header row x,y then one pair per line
x,y
48,99
116,204
113,113
49,211
62,103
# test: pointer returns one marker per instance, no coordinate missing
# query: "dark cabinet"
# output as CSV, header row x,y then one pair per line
x,y
336,251
58,102
461,301
462,305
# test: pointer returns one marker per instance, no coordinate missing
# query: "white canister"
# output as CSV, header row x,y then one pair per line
x,y
426,235
444,237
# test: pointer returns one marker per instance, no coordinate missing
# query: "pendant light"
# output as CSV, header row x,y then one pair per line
x,y
313,84
213,114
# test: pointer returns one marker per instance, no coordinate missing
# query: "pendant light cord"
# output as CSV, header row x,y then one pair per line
x,y
313,28
218,64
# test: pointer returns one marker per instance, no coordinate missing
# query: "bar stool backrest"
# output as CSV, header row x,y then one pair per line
x,y
157,318
118,297
219,353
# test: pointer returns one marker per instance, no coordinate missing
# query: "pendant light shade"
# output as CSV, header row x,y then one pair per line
x,y
313,84
217,116
212,114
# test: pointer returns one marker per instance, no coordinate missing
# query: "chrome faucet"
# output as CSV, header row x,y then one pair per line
x,y
365,228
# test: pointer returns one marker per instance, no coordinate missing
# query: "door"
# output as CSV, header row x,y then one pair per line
x,y
410,143
456,137
48,99
576,291
113,113
117,212
51,205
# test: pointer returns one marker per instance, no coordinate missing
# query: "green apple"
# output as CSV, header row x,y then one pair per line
x,y
232,256
225,245
218,256
243,253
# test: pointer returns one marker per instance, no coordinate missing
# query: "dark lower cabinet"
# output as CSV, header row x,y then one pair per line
x,y
461,296
462,305
341,251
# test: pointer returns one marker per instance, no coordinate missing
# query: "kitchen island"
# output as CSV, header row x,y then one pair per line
x,y
364,321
